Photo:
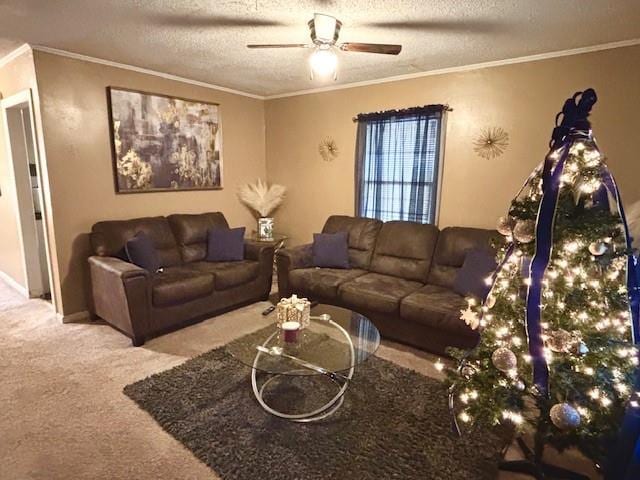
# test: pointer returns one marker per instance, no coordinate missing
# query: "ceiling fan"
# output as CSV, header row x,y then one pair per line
x,y
324,30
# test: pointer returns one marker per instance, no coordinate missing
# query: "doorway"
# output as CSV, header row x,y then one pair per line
x,y
24,167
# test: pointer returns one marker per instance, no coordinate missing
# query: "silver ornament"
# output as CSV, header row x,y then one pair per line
x,y
504,359
519,384
562,341
524,231
564,416
597,248
505,225
559,341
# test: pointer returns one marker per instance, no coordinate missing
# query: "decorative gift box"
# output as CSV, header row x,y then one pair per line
x,y
293,309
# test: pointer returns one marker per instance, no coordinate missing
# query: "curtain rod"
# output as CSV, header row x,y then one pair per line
x,y
404,111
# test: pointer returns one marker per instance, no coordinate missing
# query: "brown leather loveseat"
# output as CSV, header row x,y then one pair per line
x,y
142,305
401,277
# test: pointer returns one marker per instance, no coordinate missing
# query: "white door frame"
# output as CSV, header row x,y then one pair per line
x,y
27,228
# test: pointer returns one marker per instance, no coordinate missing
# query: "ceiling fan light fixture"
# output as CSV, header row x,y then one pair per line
x,y
324,28
324,63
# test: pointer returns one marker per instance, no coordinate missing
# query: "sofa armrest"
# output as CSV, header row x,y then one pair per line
x,y
258,251
300,256
288,259
122,295
117,267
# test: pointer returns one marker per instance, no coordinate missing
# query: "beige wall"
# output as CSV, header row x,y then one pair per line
x,y
521,98
16,76
74,116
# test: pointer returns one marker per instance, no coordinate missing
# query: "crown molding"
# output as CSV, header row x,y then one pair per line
x,y
464,68
25,47
146,71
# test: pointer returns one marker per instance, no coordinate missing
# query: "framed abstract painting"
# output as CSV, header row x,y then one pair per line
x,y
161,143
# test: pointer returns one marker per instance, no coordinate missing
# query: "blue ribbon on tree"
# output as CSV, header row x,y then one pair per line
x,y
551,175
574,121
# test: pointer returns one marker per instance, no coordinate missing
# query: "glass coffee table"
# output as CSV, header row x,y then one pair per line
x,y
331,347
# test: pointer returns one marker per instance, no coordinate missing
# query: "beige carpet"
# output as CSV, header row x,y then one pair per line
x,y
62,411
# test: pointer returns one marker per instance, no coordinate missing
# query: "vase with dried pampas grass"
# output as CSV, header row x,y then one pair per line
x,y
263,199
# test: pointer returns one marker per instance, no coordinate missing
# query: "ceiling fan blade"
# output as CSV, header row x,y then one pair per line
x,y
453,26
384,48
280,45
190,21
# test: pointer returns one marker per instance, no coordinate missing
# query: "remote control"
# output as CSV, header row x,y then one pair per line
x,y
269,310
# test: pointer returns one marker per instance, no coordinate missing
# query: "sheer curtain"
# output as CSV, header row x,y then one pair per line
x,y
397,156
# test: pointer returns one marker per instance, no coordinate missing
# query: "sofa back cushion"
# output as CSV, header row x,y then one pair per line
x,y
108,239
453,245
362,232
405,250
192,232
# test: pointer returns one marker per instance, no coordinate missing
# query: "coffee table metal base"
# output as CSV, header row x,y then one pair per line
x,y
320,413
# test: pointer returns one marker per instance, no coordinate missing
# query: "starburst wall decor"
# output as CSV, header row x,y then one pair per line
x,y
328,149
491,143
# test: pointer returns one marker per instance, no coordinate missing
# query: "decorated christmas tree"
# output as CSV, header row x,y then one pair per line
x,y
557,354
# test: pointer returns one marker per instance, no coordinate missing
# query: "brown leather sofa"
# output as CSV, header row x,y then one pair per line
x,y
142,305
401,278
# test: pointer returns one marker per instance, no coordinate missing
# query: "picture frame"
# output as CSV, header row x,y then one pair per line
x,y
163,143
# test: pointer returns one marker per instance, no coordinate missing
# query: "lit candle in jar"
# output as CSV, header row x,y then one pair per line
x,y
291,330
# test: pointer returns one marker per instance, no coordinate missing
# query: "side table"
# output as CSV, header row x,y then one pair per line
x,y
277,241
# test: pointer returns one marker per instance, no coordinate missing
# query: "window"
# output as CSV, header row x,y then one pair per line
x,y
397,162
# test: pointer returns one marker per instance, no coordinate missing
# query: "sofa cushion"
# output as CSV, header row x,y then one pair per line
x,y
321,282
141,252
405,249
436,307
228,274
176,285
108,238
362,236
192,232
376,292
453,245
331,250
225,244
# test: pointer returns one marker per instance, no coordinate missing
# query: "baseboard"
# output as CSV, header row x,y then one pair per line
x,y
78,317
13,284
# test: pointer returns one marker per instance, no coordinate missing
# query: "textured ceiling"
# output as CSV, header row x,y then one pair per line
x,y
205,39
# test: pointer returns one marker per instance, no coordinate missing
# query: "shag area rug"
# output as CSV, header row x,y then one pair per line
x,y
394,424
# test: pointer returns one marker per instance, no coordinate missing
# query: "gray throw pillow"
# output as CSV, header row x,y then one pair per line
x,y
225,244
331,250
141,252
479,263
